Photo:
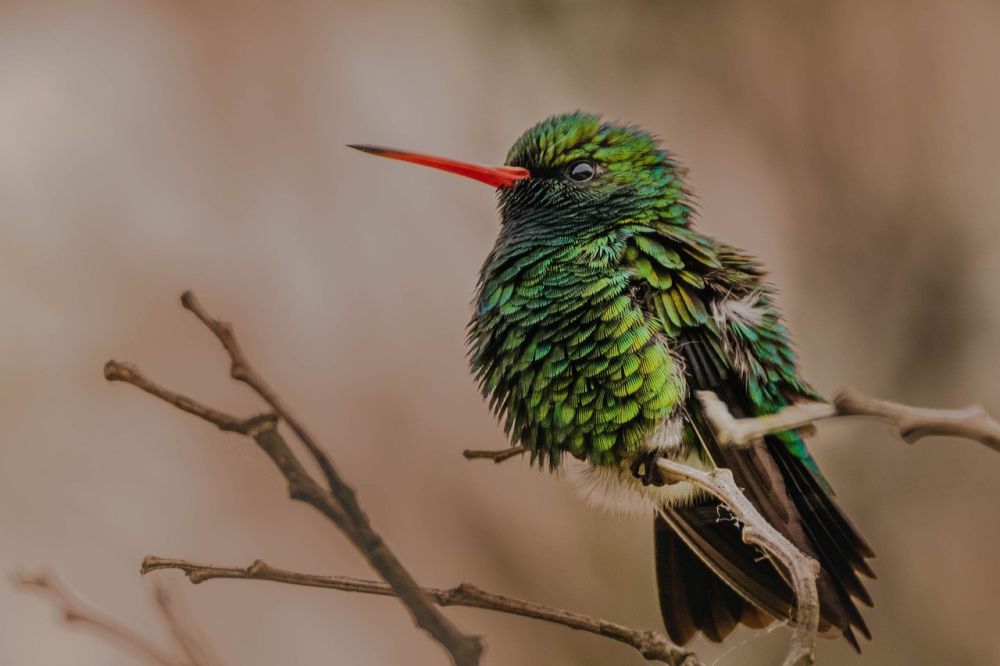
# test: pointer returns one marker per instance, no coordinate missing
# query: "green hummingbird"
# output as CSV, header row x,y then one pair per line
x,y
599,312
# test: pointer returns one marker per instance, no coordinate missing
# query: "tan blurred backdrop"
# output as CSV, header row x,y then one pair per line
x,y
149,147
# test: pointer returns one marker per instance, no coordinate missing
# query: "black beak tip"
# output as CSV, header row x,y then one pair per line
x,y
365,148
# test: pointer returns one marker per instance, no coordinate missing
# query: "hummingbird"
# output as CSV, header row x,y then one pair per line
x,y
599,313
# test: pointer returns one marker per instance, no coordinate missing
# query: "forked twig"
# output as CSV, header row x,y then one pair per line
x,y
802,570
337,501
911,423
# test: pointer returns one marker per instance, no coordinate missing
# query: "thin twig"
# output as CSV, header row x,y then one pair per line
x,y
497,456
74,612
911,423
801,569
730,431
242,370
117,371
652,645
338,502
186,634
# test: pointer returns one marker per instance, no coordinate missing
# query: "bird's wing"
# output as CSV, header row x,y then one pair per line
x,y
716,308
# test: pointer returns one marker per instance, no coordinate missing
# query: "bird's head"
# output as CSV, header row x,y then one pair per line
x,y
574,173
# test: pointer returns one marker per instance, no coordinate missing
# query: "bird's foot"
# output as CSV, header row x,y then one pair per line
x,y
645,469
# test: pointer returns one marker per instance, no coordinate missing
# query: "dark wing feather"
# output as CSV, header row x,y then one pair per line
x,y
694,598
789,495
751,366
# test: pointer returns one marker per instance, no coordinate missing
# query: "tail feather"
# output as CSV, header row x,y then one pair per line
x,y
724,609
710,581
822,524
823,513
692,597
781,480
790,497
677,577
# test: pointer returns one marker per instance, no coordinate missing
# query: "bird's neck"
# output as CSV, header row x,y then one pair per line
x,y
545,275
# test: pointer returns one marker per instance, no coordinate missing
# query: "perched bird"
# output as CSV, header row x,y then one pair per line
x,y
599,313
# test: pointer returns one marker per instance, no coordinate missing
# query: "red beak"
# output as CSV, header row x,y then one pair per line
x,y
498,176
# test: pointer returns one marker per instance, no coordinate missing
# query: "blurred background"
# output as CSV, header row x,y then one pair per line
x,y
150,147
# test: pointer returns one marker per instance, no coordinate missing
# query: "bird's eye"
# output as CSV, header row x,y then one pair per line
x,y
581,171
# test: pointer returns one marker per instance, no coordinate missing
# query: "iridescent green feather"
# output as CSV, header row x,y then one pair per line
x,y
588,292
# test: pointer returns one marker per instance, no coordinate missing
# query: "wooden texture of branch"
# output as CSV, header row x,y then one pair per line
x,y
911,423
75,612
801,570
337,501
652,645
497,456
914,423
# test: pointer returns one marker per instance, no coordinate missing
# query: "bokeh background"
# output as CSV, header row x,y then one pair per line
x,y
149,147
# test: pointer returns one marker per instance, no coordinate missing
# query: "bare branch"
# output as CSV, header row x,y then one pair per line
x,y
74,612
911,423
652,645
115,371
914,423
242,370
338,502
731,431
186,634
496,455
801,569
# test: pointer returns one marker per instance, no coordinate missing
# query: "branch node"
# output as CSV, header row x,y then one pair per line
x,y
466,589
911,423
254,425
652,645
802,570
338,501
116,371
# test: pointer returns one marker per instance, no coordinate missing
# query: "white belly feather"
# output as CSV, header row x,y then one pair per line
x,y
616,490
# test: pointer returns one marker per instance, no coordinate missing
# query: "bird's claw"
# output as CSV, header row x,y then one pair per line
x,y
645,469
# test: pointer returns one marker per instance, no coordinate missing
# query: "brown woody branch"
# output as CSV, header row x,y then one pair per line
x,y
337,501
652,645
75,612
911,423
497,456
802,570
